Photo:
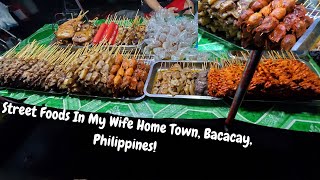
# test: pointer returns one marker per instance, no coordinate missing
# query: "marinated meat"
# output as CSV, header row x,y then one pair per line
x,y
281,78
268,24
299,28
288,42
278,33
278,13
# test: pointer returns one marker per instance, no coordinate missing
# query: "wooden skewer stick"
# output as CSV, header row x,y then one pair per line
x,y
38,53
26,51
293,55
314,9
11,52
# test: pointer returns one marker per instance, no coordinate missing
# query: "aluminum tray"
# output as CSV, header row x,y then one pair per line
x,y
308,39
165,65
83,95
304,60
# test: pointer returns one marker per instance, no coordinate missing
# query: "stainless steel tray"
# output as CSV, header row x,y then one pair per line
x,y
127,48
84,95
308,39
165,65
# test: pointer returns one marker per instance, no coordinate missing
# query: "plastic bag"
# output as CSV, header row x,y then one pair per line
x,y
6,20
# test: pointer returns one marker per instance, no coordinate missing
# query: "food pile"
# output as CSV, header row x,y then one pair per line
x,y
113,31
179,80
221,15
265,24
75,31
169,37
117,32
273,24
274,78
95,71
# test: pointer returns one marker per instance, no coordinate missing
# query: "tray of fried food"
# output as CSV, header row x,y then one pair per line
x,y
274,24
113,31
179,79
90,72
280,77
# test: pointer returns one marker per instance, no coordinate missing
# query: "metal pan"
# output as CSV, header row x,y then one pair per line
x,y
166,65
308,39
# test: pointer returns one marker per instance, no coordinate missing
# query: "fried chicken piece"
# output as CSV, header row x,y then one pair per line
x,y
68,29
85,34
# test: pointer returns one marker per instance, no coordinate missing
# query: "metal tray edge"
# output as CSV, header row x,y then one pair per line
x,y
195,97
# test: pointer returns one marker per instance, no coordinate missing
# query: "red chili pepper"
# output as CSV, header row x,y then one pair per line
x,y
109,31
97,38
114,35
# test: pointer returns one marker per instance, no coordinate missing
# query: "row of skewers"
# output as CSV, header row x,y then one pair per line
x,y
99,71
261,24
114,31
181,79
280,75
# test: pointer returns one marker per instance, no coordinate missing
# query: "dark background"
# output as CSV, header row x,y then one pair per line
x,y
57,150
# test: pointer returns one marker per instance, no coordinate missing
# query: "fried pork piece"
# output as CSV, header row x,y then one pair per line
x,y
279,13
281,79
268,24
278,33
254,21
299,28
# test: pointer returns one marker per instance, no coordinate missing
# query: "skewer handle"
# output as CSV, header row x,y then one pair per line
x,y
247,75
